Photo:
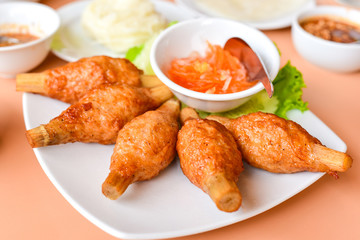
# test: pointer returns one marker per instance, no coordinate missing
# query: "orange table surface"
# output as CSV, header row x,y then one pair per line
x,y
32,208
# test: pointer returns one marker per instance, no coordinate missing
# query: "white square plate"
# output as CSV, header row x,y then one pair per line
x,y
168,205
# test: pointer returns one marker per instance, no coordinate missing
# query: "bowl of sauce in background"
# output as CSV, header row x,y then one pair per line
x,y
327,36
27,28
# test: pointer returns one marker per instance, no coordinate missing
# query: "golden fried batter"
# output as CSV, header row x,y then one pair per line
x,y
69,83
282,146
99,115
72,81
210,159
144,147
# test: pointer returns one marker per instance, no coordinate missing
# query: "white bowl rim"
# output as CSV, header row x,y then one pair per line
x,y
313,13
199,95
40,39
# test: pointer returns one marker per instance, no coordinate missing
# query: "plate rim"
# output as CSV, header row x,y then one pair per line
x,y
276,23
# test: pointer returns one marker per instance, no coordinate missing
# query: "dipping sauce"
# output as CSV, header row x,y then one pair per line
x,y
218,72
332,29
18,37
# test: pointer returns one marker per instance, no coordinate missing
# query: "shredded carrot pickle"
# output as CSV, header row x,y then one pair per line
x,y
217,72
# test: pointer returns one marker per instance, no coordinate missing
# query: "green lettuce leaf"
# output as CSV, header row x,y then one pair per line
x,y
133,52
142,59
258,102
140,55
288,86
172,23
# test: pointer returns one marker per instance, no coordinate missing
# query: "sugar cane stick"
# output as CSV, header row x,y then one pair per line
x,y
224,192
150,81
115,184
335,160
160,93
188,113
31,82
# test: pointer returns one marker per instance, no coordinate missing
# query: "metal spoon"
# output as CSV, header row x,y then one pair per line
x,y
355,35
252,62
9,40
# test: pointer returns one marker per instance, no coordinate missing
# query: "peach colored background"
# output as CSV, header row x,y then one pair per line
x,y
31,207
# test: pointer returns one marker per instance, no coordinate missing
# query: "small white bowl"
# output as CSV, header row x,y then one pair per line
x,y
186,37
338,57
42,21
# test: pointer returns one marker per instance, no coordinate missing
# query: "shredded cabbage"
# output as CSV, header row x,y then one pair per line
x,y
122,24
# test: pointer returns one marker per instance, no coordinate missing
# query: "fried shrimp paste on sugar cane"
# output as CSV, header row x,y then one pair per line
x,y
282,146
71,82
144,147
210,159
98,116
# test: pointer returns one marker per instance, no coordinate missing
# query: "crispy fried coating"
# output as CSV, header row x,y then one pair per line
x,y
72,81
282,146
144,147
99,115
210,159
69,83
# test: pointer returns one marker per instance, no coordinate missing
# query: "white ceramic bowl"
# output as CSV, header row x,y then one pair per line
x,y
43,22
183,38
339,57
